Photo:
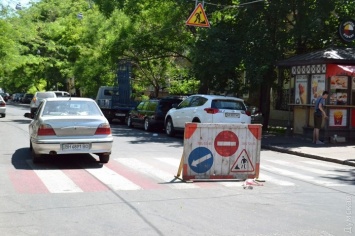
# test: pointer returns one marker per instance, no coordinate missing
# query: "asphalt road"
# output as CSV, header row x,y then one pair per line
x,y
136,192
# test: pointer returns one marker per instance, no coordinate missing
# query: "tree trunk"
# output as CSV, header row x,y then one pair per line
x,y
265,98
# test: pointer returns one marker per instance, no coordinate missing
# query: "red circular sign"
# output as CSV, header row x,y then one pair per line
x,y
226,143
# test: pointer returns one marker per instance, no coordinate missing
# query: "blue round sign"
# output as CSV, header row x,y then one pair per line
x,y
200,160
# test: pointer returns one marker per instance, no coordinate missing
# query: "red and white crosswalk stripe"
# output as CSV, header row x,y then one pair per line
x,y
130,174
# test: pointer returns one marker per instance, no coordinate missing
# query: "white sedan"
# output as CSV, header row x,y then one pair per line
x,y
69,126
2,107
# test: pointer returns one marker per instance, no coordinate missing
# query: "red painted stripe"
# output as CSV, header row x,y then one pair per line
x,y
26,181
133,176
85,181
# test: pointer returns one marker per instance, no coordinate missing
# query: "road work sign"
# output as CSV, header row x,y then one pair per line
x,y
221,151
198,17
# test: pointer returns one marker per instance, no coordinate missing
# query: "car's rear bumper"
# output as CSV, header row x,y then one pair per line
x,y
2,110
55,146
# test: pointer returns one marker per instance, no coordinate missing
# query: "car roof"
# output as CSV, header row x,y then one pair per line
x,y
70,99
209,96
45,92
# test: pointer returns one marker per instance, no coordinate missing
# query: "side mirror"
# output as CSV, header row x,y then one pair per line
x,y
28,115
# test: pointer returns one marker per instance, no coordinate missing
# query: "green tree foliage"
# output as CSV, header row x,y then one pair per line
x,y
44,45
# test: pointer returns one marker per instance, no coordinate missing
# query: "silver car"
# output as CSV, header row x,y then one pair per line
x,y
70,126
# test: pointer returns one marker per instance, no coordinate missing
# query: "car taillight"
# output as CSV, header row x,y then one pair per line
x,y
211,110
2,104
45,130
248,113
103,129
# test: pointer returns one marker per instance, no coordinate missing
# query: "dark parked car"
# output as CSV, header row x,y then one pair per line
x,y
151,114
16,97
5,96
27,97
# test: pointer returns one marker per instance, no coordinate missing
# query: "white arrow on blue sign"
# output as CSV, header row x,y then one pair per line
x,y
200,160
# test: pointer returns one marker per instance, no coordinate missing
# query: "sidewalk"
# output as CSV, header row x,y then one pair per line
x,y
341,153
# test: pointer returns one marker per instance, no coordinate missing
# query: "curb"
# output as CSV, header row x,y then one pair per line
x,y
311,156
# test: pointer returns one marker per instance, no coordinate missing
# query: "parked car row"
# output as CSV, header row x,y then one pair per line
x,y
172,113
16,97
5,96
22,97
151,114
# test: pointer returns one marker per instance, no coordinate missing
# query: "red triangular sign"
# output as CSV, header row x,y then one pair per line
x,y
243,163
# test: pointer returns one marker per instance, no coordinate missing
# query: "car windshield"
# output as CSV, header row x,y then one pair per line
x,y
70,108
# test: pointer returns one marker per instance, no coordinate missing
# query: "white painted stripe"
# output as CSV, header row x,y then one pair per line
x,y
273,180
113,179
55,180
299,176
225,143
154,172
328,165
170,161
309,169
232,184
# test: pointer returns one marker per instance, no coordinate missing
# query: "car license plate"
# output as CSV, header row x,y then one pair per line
x,y
75,146
233,115
120,114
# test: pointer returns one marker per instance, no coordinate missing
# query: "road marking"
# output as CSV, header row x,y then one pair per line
x,y
329,165
273,180
154,172
299,176
112,179
169,161
55,180
285,163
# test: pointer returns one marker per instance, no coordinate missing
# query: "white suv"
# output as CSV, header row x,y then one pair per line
x,y
206,109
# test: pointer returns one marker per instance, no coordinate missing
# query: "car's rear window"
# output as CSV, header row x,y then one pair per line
x,y
45,95
70,108
228,104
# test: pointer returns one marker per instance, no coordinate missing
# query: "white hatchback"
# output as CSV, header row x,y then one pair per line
x,y
206,109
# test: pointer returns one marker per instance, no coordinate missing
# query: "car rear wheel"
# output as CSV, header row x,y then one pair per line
x,y
104,158
169,128
129,122
147,125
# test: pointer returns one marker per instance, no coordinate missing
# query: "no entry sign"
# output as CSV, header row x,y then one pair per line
x,y
226,143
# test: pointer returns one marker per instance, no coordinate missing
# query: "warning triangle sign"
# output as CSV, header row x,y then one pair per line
x,y
198,17
243,163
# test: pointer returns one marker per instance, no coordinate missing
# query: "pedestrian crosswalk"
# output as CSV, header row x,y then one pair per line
x,y
133,174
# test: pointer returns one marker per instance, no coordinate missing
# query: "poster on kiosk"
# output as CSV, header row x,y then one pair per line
x,y
341,95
